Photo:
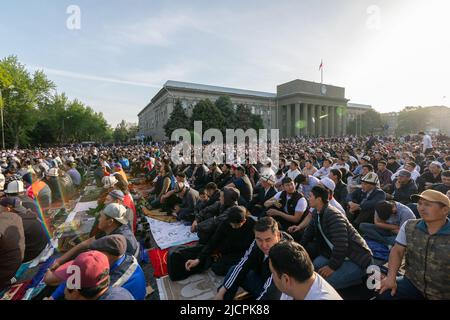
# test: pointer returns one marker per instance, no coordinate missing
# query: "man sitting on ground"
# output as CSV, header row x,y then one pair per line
x,y
265,192
363,201
252,273
445,185
287,207
124,272
403,187
340,255
424,243
389,217
112,221
95,280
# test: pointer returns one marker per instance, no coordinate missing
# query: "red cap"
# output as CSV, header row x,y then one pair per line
x,y
94,269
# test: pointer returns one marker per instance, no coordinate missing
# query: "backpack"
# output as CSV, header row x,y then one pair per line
x,y
206,228
177,258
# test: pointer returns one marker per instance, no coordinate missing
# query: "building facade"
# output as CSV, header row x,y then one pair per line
x,y
299,108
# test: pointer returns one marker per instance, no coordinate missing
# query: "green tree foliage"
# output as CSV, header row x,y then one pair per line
x,y
125,132
225,105
209,114
35,113
244,117
257,122
412,120
371,123
21,101
177,120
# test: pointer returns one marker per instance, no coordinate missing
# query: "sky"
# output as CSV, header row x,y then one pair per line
x,y
115,55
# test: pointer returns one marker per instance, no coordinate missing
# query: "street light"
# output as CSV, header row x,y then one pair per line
x,y
1,111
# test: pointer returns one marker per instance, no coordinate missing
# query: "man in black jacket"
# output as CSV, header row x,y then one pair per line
x,y
430,177
392,164
404,187
230,241
252,273
445,185
265,192
210,217
226,177
340,255
243,184
213,196
341,191
363,200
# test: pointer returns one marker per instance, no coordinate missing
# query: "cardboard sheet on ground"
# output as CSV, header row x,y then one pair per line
x,y
197,287
81,207
167,235
158,215
85,206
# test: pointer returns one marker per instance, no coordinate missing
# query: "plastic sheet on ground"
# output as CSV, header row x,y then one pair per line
x,y
167,235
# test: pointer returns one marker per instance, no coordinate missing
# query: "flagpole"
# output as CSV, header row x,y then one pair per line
x,y
321,71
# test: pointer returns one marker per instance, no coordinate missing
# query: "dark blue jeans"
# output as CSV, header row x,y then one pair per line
x,y
405,291
348,274
252,283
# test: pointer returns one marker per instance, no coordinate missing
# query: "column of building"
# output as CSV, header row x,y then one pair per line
x,y
305,130
297,119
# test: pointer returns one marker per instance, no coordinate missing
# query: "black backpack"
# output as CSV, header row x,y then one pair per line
x,y
206,228
177,258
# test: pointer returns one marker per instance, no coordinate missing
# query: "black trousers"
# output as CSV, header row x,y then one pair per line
x,y
366,216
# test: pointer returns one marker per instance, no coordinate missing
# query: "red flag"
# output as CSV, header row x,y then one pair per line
x,y
321,65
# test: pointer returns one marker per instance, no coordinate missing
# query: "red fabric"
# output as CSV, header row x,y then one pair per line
x,y
149,165
158,258
129,203
30,192
17,291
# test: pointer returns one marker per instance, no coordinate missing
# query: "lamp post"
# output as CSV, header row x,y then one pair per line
x,y
1,111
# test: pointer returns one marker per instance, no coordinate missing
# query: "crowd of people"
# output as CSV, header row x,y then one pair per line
x,y
305,229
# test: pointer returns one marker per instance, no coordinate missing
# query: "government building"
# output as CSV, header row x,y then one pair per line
x,y
299,108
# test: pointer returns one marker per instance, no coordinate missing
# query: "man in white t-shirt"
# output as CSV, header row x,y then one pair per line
x,y
293,171
341,164
427,144
293,274
287,207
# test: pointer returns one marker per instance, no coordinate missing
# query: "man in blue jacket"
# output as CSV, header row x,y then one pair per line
x,y
362,201
124,270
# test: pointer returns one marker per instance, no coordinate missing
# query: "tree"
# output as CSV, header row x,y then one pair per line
x,y
371,123
412,119
225,105
209,114
177,120
257,122
125,132
121,133
49,120
21,102
244,117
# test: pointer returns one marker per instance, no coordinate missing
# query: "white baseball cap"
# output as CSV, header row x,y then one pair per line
x,y
15,186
